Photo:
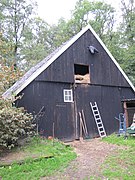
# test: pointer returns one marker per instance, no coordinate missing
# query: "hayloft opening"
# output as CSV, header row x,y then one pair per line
x,y
81,73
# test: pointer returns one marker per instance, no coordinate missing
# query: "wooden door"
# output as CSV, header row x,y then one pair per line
x,y
64,121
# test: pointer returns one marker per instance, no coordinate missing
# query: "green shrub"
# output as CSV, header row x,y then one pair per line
x,y
15,123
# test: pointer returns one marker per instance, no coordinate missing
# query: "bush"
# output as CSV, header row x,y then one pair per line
x,y
15,123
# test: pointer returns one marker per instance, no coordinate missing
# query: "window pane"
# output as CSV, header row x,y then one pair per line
x,y
66,98
66,93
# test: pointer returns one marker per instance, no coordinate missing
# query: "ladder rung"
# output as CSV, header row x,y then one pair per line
x,y
104,135
102,132
95,111
100,124
94,107
98,119
101,128
97,115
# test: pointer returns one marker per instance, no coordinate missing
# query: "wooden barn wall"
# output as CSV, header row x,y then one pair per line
x,y
50,96
102,70
109,103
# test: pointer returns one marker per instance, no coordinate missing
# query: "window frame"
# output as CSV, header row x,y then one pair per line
x,y
68,97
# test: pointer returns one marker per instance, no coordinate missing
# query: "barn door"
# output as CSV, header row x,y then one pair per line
x,y
64,121
83,97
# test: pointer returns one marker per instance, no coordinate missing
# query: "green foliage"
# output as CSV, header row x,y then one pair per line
x,y
15,123
100,15
62,155
14,17
8,76
121,164
5,50
126,32
36,42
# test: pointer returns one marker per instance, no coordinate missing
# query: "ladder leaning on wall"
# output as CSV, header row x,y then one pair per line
x,y
98,119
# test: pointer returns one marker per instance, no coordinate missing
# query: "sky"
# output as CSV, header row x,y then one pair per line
x,y
52,10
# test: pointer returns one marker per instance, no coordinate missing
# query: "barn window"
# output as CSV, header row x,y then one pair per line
x,y
68,95
81,73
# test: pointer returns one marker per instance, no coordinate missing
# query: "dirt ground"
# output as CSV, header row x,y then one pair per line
x,y
90,156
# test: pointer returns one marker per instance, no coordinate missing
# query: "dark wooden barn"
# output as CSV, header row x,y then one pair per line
x,y
63,84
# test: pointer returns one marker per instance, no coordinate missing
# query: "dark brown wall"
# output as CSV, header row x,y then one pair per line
x,y
102,70
109,104
50,95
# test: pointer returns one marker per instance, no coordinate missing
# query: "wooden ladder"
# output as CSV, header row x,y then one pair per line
x,y
98,119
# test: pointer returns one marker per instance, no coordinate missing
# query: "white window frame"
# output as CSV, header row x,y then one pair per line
x,y
68,95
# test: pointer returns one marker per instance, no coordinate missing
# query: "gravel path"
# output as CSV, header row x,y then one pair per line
x,y
90,156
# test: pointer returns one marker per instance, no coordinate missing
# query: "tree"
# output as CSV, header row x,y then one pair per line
x,y
15,15
128,24
5,50
8,76
127,37
36,43
100,15
59,33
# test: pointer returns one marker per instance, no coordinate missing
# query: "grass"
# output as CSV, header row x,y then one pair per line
x,y
120,165
34,170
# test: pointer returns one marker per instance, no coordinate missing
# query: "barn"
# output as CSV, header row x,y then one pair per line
x,y
80,72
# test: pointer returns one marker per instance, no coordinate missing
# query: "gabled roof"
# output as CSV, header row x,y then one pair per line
x,y
41,66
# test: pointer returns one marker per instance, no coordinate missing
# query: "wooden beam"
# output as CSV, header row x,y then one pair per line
x,y
126,114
